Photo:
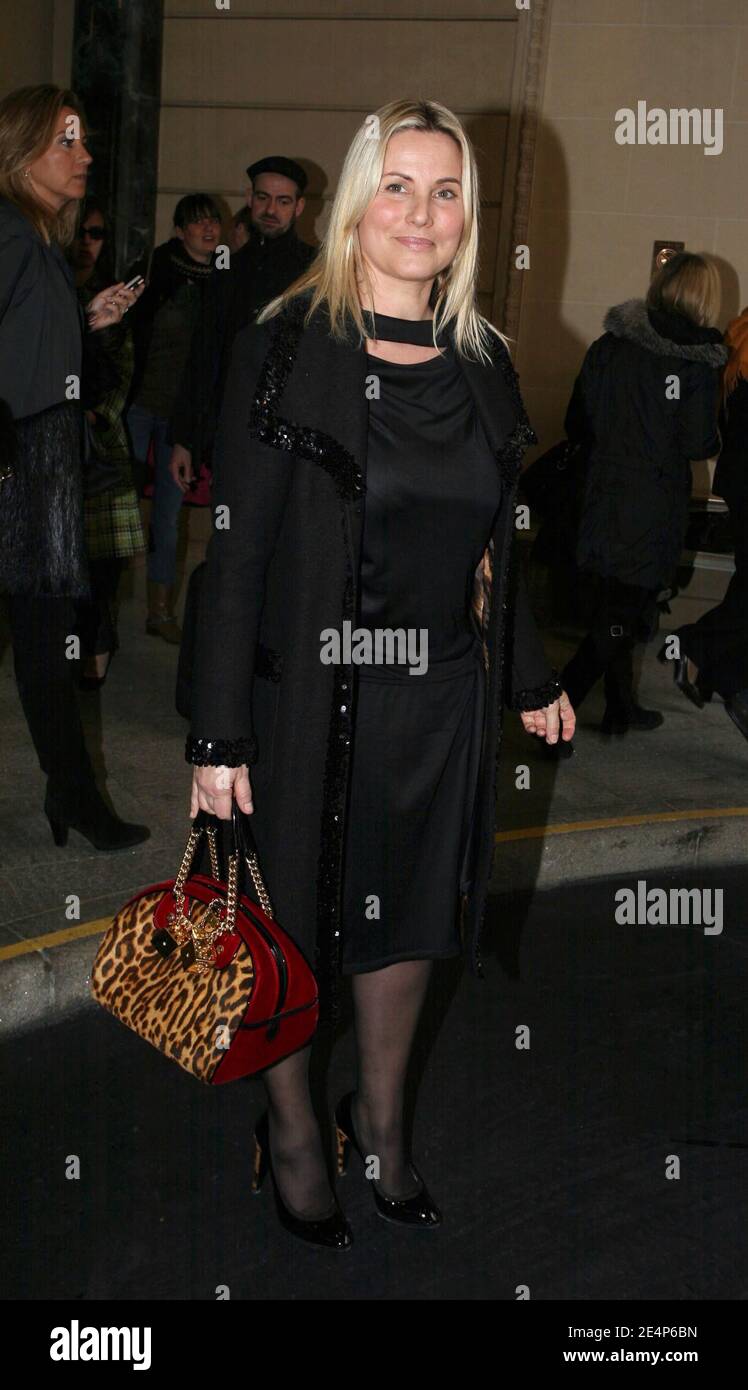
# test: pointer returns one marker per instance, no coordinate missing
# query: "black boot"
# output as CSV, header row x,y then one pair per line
x,y
618,721
93,819
621,710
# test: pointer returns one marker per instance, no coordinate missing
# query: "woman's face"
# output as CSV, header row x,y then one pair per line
x,y
61,172
200,237
89,241
412,228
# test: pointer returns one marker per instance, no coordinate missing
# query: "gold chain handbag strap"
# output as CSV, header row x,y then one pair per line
x,y
213,852
189,854
214,923
204,932
253,865
232,891
244,844
186,864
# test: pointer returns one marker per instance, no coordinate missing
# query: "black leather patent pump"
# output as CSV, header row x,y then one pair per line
x,y
418,1210
332,1231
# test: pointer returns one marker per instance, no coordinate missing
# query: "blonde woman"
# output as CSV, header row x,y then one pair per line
x,y
359,629
44,354
644,405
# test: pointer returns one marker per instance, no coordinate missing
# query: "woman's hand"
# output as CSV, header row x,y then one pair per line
x,y
110,305
546,722
213,789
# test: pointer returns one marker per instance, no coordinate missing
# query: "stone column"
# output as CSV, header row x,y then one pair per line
x,y
117,75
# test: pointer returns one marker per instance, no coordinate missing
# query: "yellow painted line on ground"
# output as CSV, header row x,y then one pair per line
x,y
54,938
531,832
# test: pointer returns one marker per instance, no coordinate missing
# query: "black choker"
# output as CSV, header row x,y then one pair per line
x,y
419,332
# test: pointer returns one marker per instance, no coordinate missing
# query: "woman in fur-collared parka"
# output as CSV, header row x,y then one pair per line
x,y
360,627
644,406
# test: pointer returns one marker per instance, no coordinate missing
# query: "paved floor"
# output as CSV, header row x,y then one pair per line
x,y
550,1163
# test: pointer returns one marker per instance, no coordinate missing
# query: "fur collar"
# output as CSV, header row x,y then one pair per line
x,y
631,320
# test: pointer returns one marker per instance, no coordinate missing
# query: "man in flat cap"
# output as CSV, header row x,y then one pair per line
x,y
272,259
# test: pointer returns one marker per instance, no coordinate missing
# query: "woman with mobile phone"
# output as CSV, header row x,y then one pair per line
x,y
45,353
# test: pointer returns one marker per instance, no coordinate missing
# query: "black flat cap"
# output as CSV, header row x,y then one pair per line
x,y
278,164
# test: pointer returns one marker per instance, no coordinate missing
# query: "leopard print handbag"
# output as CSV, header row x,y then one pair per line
x,y
205,974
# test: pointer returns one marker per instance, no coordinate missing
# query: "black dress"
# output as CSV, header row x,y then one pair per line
x,y
432,492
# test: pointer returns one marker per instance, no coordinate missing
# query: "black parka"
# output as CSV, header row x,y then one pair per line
x,y
644,405
40,321
170,269
291,469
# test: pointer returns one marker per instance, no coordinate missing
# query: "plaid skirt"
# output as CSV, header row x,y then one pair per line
x,y
113,526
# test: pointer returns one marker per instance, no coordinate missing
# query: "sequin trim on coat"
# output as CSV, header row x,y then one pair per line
x,y
302,440
220,752
509,456
329,454
540,697
330,863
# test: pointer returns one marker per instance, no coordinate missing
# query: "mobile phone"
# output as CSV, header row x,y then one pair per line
x,y
133,284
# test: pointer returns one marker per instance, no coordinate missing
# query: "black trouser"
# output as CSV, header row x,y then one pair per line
x,y
96,616
46,678
621,617
718,642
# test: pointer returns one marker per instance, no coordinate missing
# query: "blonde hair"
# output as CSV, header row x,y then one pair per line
x,y
28,118
334,274
689,284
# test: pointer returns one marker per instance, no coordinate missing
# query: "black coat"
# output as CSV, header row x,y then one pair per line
x,y
40,322
264,268
291,468
640,442
43,343
171,268
731,473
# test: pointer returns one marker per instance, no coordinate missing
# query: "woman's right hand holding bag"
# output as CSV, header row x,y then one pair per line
x,y
214,789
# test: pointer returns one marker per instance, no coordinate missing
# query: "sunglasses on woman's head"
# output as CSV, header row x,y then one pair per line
x,y
93,233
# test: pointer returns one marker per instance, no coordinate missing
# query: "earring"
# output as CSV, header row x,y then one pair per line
x,y
26,173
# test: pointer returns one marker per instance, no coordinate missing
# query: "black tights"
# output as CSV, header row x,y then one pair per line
x,y
387,1006
96,616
